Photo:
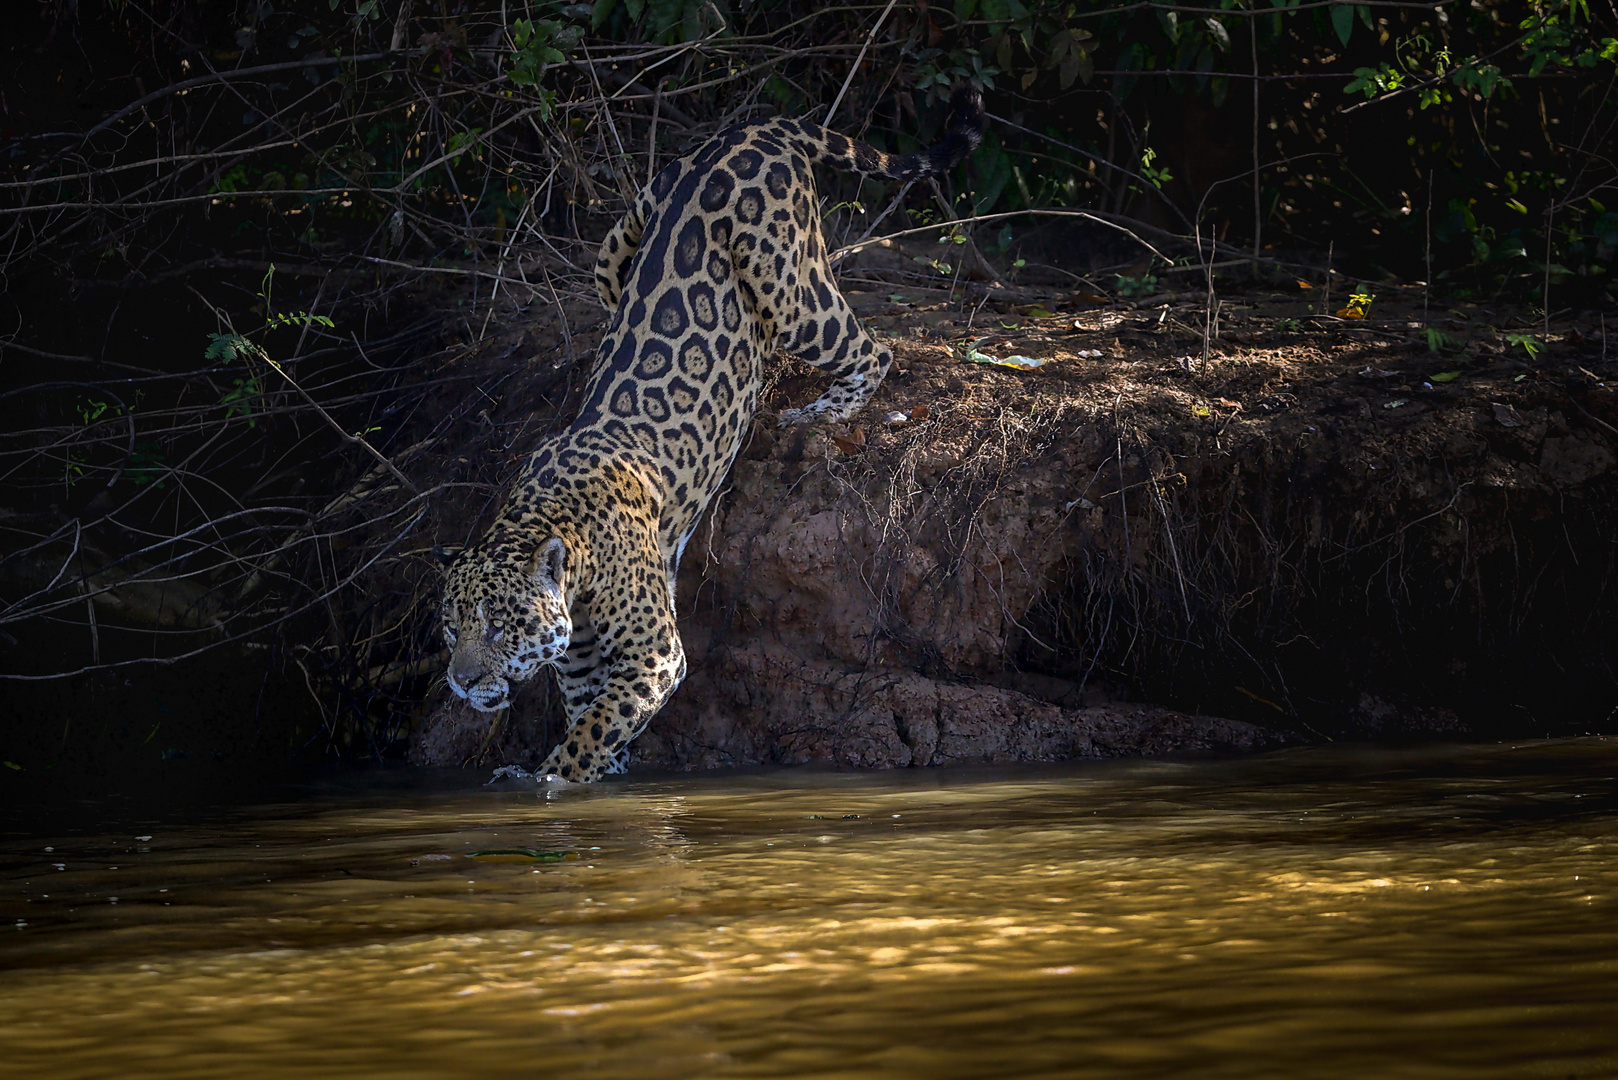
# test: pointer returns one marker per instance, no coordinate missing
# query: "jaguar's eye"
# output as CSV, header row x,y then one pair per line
x,y
451,633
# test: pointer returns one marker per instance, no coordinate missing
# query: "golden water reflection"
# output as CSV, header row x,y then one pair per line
x,y
1444,912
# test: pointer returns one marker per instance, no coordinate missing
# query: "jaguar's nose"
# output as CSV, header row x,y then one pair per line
x,y
464,673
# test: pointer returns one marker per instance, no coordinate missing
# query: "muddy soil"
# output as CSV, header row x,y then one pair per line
x,y
1154,533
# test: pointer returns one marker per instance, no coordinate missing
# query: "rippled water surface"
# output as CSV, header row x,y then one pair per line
x,y
1317,913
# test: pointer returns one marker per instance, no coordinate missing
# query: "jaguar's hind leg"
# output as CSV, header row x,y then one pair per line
x,y
828,336
617,253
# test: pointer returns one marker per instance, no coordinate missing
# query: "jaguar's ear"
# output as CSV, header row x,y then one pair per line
x,y
444,555
550,560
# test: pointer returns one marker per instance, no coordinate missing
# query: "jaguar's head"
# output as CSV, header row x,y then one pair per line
x,y
505,613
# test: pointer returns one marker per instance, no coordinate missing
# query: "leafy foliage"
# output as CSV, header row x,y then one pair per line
x,y
229,348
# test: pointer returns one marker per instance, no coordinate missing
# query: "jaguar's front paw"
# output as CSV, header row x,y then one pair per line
x,y
511,772
559,768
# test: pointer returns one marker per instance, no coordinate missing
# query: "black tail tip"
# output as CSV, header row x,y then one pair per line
x,y
966,99
966,108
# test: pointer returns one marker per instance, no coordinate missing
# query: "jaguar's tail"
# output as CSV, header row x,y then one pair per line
x,y
966,123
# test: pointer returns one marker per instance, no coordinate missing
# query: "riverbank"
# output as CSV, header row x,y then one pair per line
x,y
1310,527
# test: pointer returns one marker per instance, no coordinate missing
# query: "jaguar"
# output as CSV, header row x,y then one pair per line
x,y
718,263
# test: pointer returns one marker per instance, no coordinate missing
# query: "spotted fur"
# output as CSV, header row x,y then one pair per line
x,y
718,263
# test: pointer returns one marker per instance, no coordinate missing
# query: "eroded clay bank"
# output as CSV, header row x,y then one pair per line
x,y
1130,551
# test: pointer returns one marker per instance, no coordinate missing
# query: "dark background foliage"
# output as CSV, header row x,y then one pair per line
x,y
239,240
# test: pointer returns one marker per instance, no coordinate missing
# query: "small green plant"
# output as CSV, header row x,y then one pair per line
x,y
938,71
364,11
463,141
1425,65
1145,285
295,318
229,347
1157,177
91,411
73,472
1359,305
146,464
536,42
1437,340
78,458
1528,343
1288,326
238,401
232,180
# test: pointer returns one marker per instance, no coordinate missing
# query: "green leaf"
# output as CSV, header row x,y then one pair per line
x,y
516,854
1170,23
1444,376
1437,341
600,12
1145,285
1528,343
1084,64
1342,20
231,347
992,167
965,9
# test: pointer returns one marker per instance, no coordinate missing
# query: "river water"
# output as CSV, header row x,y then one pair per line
x,y
1323,912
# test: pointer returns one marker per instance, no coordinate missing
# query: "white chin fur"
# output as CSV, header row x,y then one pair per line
x,y
483,698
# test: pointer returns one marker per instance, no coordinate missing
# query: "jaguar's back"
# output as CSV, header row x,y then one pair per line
x,y
719,263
